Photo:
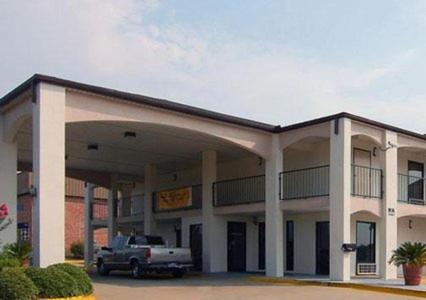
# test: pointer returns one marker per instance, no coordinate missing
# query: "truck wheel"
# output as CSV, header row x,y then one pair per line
x,y
178,273
137,271
102,269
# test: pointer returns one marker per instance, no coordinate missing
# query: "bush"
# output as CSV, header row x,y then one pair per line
x,y
20,251
84,282
77,250
8,262
14,285
52,282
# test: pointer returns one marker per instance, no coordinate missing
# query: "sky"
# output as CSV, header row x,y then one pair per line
x,y
278,62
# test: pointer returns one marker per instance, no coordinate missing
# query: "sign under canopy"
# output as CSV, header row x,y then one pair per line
x,y
175,199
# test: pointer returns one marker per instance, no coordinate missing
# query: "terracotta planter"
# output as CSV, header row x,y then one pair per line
x,y
412,274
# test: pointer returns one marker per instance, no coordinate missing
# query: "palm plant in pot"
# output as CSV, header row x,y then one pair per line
x,y
412,258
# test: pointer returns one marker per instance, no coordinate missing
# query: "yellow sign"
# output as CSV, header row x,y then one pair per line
x,y
175,199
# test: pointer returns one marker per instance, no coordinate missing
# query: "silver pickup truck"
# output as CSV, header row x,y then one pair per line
x,y
143,255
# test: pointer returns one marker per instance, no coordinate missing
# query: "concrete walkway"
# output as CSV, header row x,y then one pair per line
x,y
119,286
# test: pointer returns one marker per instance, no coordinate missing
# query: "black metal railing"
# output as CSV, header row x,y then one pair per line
x,y
239,191
411,189
305,183
367,182
196,200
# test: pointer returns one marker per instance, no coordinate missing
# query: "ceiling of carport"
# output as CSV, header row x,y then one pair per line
x,y
171,149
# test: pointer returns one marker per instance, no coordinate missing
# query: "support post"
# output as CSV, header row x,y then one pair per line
x,y
112,211
340,197
88,229
49,175
149,186
274,216
389,223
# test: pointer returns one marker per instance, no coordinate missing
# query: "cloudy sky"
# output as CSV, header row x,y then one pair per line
x,y
274,61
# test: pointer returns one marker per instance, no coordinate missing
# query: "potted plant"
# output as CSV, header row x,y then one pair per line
x,y
412,258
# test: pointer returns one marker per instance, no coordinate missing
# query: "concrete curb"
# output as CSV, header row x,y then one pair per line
x,y
364,287
89,297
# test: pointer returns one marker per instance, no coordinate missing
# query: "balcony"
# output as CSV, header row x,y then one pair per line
x,y
239,191
367,182
174,200
411,189
305,183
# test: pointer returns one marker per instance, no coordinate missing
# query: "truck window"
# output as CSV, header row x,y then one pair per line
x,y
155,240
118,242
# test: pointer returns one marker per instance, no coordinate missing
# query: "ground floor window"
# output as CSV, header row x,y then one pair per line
x,y
366,242
23,232
290,245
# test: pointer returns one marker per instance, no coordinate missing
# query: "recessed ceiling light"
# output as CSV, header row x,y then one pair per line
x,y
92,147
130,134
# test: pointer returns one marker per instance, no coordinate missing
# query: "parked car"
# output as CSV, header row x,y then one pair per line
x,y
143,254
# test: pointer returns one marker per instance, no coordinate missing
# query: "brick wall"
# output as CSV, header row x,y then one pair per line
x,y
74,218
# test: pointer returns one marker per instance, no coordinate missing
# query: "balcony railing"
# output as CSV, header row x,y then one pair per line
x,y
411,189
196,200
367,182
305,183
239,191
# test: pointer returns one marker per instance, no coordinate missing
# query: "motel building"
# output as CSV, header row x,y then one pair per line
x,y
243,195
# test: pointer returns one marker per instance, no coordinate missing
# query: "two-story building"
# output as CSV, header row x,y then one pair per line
x,y
244,195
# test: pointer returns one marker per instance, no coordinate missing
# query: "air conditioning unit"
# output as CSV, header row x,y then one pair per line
x,y
366,269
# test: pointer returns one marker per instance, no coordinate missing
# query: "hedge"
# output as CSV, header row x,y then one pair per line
x,y
8,262
14,285
52,282
84,283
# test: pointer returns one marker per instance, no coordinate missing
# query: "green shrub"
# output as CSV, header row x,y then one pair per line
x,y
20,251
52,282
14,285
77,250
84,282
8,262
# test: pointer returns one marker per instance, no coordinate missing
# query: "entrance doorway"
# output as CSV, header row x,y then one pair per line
x,y
196,245
262,246
323,248
236,247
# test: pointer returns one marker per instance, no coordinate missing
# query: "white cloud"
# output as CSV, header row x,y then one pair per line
x,y
110,43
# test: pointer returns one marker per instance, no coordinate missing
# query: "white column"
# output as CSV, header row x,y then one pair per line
x,y
389,224
149,186
340,197
49,175
8,187
214,227
112,211
274,215
88,229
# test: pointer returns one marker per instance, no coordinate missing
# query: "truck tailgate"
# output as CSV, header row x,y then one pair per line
x,y
165,255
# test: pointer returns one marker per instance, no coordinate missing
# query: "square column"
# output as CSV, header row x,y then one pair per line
x,y
274,216
49,175
112,211
389,222
214,227
8,187
88,229
149,186
340,198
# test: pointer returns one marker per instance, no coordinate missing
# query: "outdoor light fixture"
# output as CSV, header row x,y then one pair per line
x,y
260,160
130,134
92,147
410,224
33,191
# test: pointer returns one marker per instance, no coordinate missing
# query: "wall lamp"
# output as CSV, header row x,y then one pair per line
x,y
130,134
92,147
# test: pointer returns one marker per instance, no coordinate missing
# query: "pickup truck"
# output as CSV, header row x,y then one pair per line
x,y
143,254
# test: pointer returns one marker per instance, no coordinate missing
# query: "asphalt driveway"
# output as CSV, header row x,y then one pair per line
x,y
221,286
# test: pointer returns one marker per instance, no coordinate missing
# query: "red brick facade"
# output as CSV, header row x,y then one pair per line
x,y
74,216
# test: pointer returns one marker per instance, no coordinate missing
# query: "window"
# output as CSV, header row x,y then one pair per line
x,y
415,180
290,245
23,232
366,242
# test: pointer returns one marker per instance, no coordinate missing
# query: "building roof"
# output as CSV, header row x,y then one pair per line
x,y
187,109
